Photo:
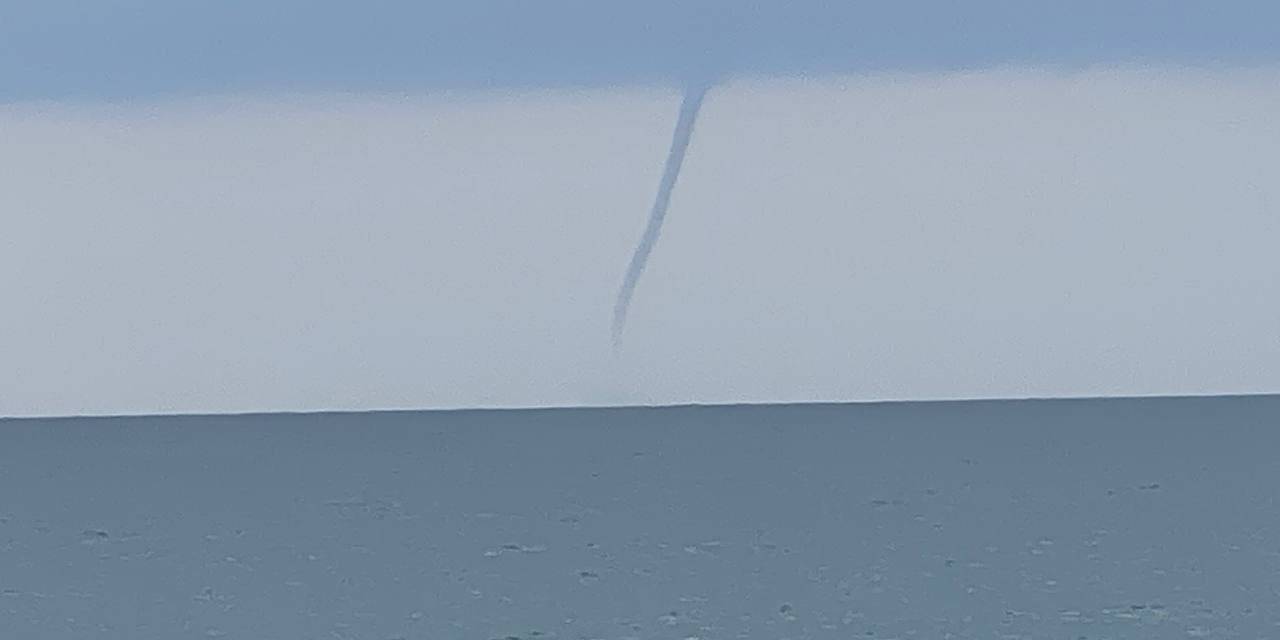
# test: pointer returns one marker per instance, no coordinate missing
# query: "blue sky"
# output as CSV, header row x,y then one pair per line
x,y
114,49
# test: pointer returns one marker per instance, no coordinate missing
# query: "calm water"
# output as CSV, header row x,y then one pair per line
x,y
1037,519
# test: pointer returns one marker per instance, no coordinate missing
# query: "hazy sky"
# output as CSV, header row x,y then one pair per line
x,y
218,207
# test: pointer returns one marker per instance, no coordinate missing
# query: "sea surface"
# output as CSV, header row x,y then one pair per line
x,y
1079,519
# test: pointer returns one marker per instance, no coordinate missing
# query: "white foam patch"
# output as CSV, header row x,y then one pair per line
x,y
996,234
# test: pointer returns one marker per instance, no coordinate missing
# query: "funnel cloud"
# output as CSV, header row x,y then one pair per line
x,y
689,107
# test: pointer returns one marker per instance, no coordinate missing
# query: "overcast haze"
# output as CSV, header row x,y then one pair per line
x,y
982,234
296,206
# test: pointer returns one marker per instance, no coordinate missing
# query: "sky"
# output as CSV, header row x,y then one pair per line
x,y
125,49
226,208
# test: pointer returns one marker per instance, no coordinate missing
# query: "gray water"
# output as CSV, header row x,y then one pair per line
x,y
1152,518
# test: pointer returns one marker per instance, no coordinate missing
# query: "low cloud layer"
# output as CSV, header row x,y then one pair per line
x,y
995,234
138,49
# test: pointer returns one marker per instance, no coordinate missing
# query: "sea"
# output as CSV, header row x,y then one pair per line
x,y
1079,519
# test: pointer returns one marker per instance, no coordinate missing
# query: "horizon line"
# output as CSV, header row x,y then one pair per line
x,y
795,404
